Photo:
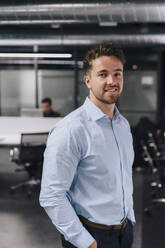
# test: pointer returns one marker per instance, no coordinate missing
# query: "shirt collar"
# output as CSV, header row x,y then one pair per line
x,y
95,113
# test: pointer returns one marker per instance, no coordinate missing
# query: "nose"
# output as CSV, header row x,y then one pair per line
x,y
109,80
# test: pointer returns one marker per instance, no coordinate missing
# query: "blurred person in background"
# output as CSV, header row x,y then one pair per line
x,y
47,108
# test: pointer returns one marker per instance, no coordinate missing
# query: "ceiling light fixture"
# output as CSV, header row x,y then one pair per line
x,y
35,55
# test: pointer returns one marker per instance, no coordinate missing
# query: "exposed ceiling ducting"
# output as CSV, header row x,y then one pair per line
x,y
72,40
83,13
21,20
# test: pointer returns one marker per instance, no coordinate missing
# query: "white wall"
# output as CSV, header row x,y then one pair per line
x,y
59,86
17,90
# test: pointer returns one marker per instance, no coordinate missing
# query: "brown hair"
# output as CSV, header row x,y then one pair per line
x,y
104,49
47,100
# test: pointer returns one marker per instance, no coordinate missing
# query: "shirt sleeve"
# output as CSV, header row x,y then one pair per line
x,y
61,159
131,214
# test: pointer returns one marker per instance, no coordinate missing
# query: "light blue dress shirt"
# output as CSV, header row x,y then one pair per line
x,y
88,171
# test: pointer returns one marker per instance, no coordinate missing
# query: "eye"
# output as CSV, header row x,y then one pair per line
x,y
103,75
118,74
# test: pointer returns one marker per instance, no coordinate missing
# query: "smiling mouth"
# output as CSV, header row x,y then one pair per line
x,y
112,90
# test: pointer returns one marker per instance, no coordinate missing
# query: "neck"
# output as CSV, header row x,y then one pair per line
x,y
107,109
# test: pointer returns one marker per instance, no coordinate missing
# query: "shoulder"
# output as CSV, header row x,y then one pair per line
x,y
73,122
68,132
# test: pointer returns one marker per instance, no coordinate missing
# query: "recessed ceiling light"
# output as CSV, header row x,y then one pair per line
x,y
55,26
108,24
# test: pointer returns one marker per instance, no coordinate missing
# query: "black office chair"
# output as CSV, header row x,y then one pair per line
x,y
152,155
29,156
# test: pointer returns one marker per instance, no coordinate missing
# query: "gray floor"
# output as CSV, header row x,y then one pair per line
x,y
24,223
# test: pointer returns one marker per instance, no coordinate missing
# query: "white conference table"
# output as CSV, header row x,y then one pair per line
x,y
11,128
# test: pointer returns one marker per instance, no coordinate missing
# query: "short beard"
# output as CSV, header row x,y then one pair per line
x,y
112,100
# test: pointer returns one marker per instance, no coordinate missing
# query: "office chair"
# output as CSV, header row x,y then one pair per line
x,y
29,155
152,155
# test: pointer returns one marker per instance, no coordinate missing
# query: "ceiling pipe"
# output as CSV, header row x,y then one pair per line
x,y
70,12
71,40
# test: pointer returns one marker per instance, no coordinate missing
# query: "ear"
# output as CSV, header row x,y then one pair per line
x,y
87,80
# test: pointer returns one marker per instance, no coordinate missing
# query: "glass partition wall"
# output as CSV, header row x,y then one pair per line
x,y
139,96
17,90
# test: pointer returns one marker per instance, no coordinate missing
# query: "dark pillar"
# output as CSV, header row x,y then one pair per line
x,y
161,83
35,49
76,78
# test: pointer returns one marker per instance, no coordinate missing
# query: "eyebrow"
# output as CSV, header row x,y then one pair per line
x,y
107,71
119,70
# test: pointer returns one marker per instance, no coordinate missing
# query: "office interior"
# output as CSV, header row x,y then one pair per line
x,y
42,45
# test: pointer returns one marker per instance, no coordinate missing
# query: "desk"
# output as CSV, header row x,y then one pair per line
x,y
12,127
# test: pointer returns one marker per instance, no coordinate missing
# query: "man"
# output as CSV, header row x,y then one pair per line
x,y
87,176
47,108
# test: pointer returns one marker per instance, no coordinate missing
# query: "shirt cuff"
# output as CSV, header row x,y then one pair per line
x,y
131,215
83,240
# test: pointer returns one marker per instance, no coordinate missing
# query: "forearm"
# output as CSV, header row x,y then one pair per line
x,y
66,221
61,159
